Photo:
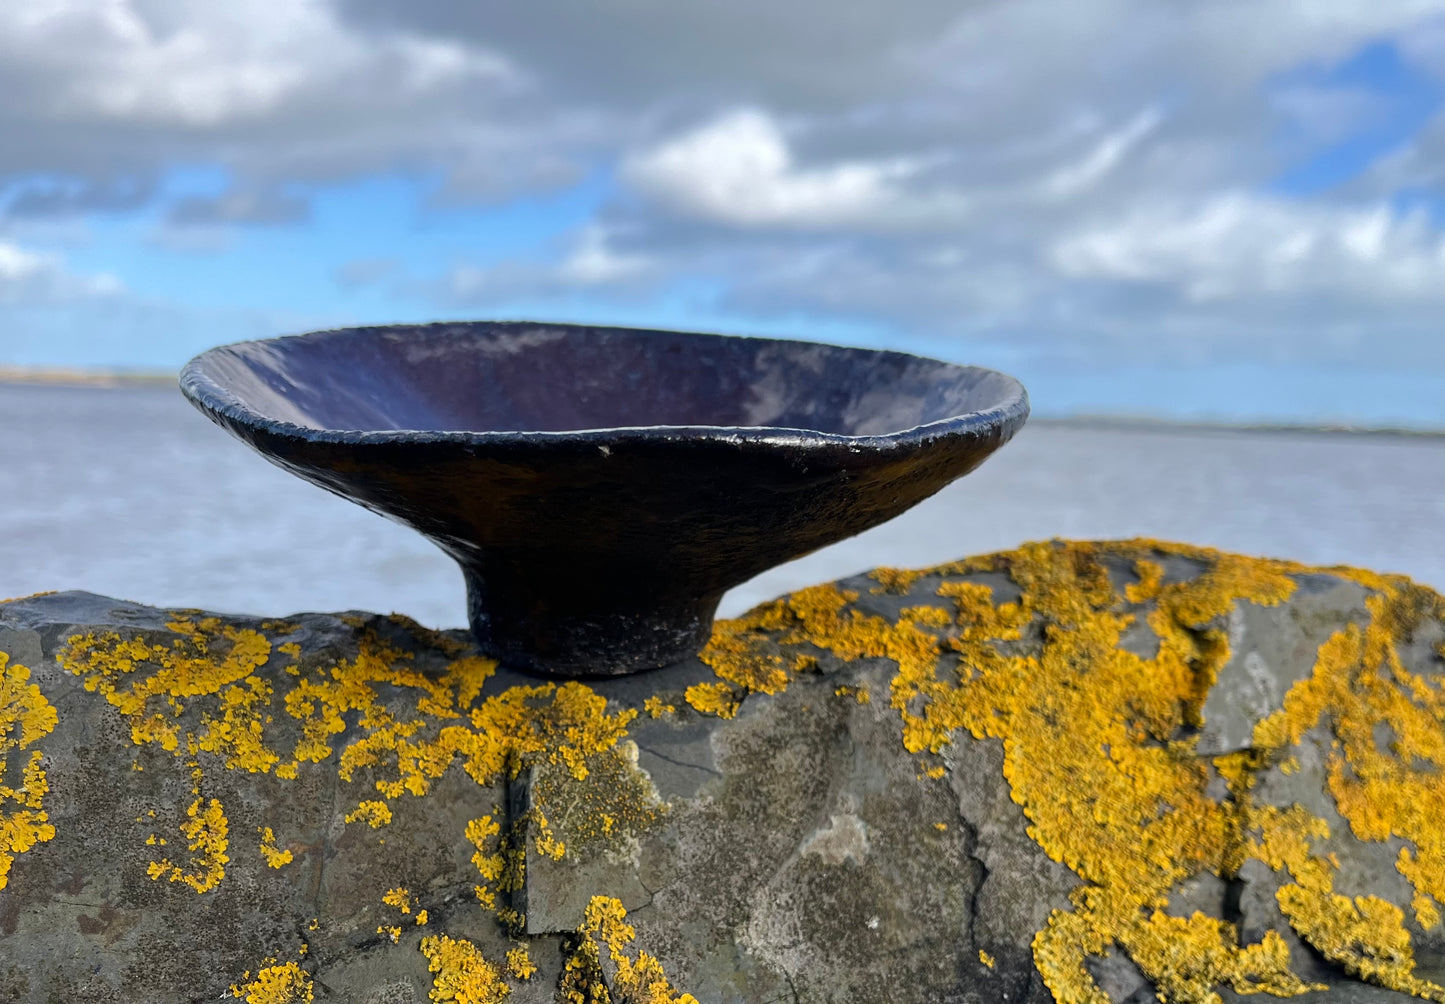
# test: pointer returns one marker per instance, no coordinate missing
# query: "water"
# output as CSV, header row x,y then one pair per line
x,y
128,491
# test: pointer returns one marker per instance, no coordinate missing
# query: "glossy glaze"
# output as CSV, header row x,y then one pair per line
x,y
601,488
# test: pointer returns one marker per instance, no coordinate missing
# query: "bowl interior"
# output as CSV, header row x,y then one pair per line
x,y
490,377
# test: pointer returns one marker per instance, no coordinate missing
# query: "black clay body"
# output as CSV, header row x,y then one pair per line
x,y
601,488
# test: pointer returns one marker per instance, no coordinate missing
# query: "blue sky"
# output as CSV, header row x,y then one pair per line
x,y
1222,212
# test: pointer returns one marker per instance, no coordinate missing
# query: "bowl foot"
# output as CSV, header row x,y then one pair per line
x,y
561,634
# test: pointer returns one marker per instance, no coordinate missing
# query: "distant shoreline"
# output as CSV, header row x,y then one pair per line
x,y
102,379
59,376
1144,423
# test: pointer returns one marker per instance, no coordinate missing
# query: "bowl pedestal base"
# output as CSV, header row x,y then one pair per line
x,y
563,628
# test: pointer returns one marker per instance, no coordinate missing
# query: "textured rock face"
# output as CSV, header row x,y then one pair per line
x,y
1077,772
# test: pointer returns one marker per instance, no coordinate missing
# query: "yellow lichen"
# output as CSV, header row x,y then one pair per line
x,y
640,980
373,813
1098,751
500,864
275,856
399,898
203,659
713,699
739,653
895,580
986,959
463,975
1151,575
25,718
205,831
1397,792
519,964
546,842
1098,746
284,983
421,918
196,693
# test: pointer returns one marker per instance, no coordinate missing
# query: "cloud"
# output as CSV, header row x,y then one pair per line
x,y
58,197
32,278
801,56
202,66
266,206
589,263
738,169
97,91
1077,180
1239,245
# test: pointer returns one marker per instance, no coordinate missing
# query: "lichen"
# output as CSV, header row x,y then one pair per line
x,y
638,979
1396,792
463,974
26,717
203,659
610,809
519,964
205,829
1099,751
282,983
714,699
895,580
372,812
276,857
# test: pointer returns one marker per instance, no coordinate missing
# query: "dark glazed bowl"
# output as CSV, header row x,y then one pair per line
x,y
601,488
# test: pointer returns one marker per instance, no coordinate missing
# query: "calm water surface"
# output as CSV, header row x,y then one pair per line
x,y
128,491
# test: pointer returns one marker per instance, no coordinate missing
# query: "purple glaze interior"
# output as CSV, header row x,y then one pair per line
x,y
543,378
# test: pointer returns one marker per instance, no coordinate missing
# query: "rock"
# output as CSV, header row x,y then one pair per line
x,y
1118,772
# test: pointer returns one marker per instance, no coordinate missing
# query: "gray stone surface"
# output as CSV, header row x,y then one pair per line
x,y
795,852
1271,651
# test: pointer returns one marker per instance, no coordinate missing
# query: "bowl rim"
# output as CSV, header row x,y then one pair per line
x,y
217,400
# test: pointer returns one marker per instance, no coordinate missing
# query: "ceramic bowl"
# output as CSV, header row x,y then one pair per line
x,y
601,488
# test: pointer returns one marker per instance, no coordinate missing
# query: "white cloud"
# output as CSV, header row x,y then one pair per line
x,y
593,259
738,169
589,262
99,92
1078,177
214,63
17,264
29,278
1239,245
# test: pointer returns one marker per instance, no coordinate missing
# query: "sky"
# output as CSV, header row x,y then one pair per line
x,y
1197,210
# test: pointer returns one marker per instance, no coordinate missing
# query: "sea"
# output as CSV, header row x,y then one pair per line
x,y
128,491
